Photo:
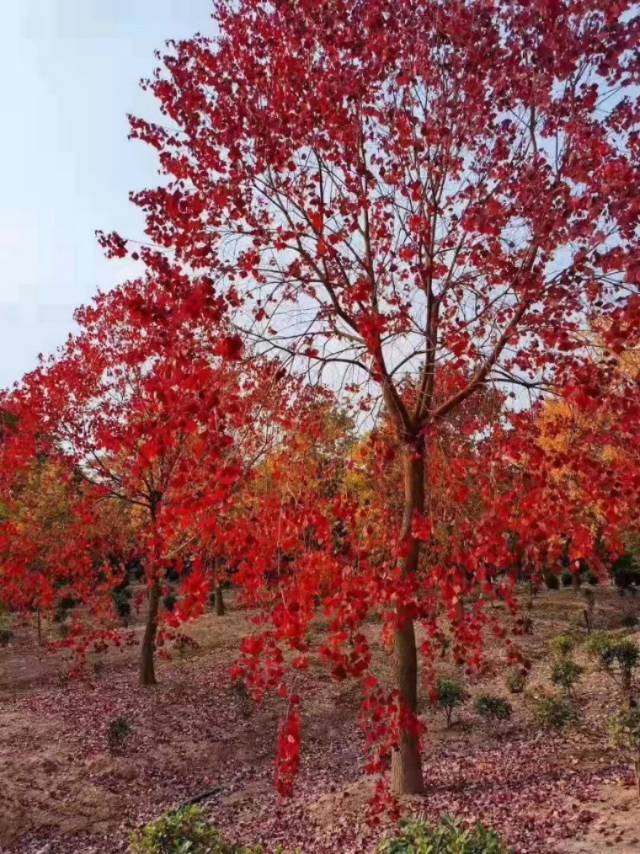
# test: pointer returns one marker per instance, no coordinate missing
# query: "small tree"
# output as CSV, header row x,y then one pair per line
x,y
492,708
516,680
449,694
618,657
624,732
554,712
565,672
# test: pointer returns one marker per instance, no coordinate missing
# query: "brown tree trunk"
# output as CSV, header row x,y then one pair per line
x,y
220,608
39,624
627,686
147,664
406,764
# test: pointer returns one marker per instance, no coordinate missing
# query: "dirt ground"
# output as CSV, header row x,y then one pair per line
x,y
65,792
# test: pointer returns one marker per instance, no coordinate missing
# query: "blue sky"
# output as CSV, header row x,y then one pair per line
x,y
70,72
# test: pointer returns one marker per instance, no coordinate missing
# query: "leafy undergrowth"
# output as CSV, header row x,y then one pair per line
x,y
69,787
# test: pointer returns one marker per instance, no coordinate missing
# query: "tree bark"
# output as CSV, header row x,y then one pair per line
x,y
220,607
406,763
627,686
147,663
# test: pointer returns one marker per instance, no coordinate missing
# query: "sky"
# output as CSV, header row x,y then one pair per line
x,y
70,72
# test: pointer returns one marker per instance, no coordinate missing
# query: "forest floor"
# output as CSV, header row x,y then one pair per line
x,y
63,792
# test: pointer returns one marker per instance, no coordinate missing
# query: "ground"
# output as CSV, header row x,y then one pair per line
x,y
66,792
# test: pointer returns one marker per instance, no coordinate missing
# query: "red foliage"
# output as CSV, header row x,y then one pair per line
x,y
430,207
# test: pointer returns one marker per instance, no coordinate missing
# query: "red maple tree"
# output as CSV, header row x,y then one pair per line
x,y
440,192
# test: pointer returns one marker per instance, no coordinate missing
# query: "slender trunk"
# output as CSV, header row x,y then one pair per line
x,y
39,622
147,665
627,686
406,764
637,773
220,608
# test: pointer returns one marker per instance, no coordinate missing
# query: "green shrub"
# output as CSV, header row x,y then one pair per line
x,y
446,837
170,601
565,673
183,832
566,578
554,712
243,696
618,657
6,636
624,733
516,681
122,603
118,733
63,607
185,646
449,694
562,645
493,708
598,643
626,572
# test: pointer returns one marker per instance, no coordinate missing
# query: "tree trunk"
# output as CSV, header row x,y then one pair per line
x,y
39,624
627,686
220,608
406,764
147,665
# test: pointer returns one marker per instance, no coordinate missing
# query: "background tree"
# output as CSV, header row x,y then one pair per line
x,y
134,409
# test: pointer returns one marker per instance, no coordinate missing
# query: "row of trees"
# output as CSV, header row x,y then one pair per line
x,y
426,212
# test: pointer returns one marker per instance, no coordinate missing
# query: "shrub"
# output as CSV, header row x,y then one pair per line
x,y
493,708
565,673
446,837
626,572
170,601
566,578
624,733
185,646
6,636
449,694
118,734
554,712
618,657
241,692
122,603
515,681
591,578
551,581
183,832
63,606
598,643
629,621
562,645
